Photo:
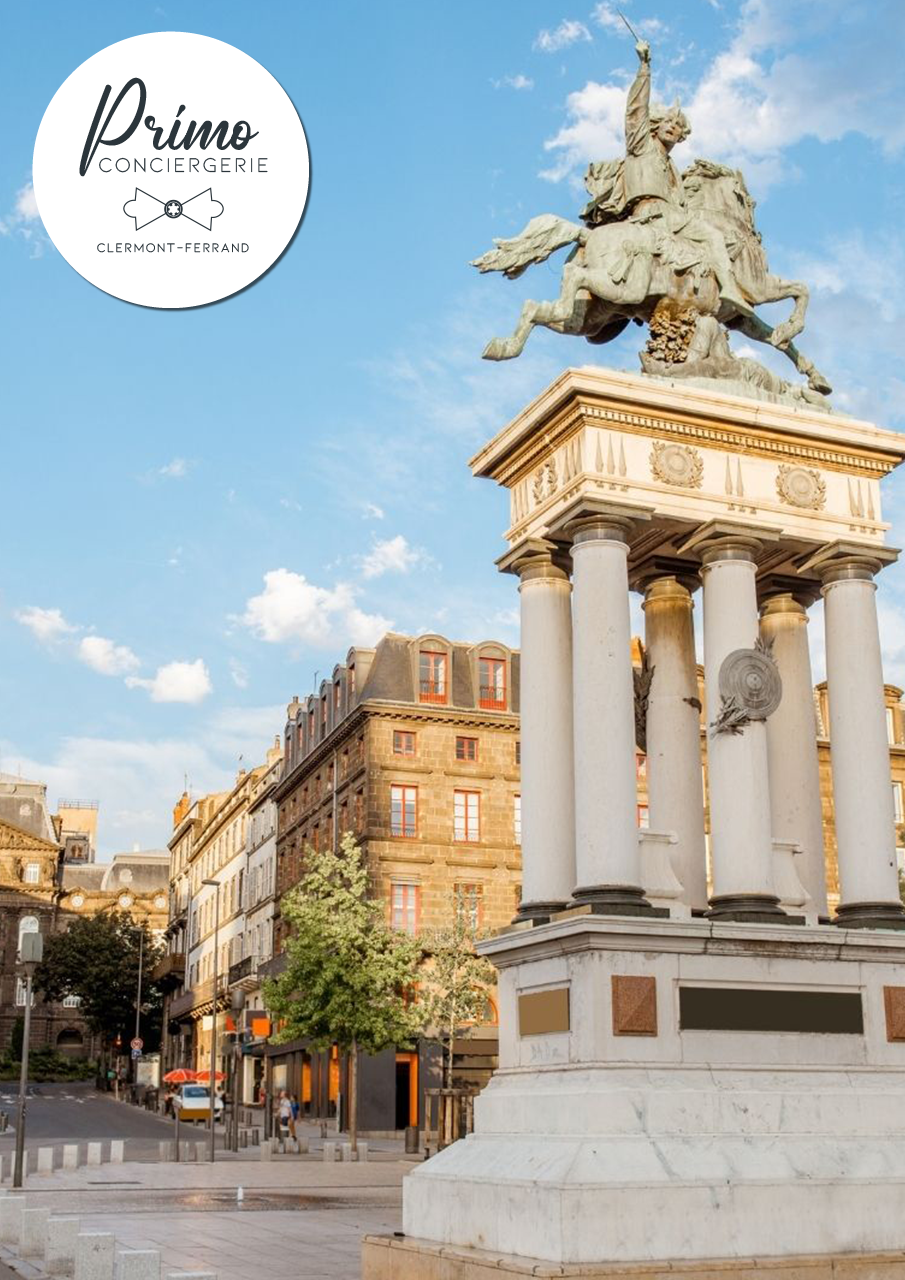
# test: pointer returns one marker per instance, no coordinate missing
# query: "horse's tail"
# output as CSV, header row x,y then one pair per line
x,y
542,236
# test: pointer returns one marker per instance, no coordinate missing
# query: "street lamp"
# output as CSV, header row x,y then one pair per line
x,y
215,884
238,1004
31,951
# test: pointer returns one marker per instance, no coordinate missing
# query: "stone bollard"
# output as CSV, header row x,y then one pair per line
x,y
11,1218
45,1160
202,1151
138,1264
71,1155
165,1149
117,1151
33,1233
302,1146
329,1152
345,1152
94,1255
363,1152
59,1248
94,1153
265,1151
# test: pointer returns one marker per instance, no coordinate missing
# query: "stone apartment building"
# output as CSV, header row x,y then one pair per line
x,y
49,877
215,929
413,747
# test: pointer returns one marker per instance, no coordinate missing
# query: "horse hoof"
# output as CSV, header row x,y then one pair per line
x,y
817,382
497,349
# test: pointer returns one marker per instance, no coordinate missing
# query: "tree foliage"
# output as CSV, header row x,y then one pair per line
x,y
454,980
348,975
97,959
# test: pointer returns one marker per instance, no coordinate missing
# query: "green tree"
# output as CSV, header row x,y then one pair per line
x,y
454,979
97,959
349,977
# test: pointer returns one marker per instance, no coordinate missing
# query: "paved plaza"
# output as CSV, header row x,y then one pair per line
x,y
297,1217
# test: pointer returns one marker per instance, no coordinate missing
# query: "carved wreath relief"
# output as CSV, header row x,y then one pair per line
x,y
750,688
801,487
677,464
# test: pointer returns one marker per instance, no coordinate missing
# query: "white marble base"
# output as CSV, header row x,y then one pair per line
x,y
592,1147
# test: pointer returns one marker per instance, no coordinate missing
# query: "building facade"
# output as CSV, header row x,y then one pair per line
x,y
48,877
413,747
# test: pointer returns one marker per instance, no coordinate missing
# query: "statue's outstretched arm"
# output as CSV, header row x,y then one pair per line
x,y
637,106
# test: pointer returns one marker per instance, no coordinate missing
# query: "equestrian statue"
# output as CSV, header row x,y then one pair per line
x,y
676,251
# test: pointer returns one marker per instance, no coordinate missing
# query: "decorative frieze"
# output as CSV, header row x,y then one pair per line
x,y
801,487
677,464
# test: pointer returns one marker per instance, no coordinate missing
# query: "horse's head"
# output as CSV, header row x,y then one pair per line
x,y
716,188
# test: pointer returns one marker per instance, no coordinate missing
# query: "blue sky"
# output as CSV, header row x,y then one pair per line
x,y
202,509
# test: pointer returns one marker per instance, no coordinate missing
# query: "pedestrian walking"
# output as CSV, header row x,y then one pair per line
x,y
296,1112
284,1116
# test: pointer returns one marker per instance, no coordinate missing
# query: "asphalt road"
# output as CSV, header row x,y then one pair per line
x,y
71,1112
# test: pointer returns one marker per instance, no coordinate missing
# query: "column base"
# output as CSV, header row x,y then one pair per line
x,y
616,900
750,908
538,912
870,915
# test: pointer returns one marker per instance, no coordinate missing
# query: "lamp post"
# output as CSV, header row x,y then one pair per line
x,y
141,956
215,884
31,951
238,1004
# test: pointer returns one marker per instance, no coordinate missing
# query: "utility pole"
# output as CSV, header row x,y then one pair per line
x,y
238,1004
215,884
141,956
31,951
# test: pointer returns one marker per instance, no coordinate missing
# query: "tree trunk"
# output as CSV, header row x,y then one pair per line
x,y
353,1097
449,1053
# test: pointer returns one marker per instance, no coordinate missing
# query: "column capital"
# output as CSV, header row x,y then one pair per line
x,y
771,586
588,519
785,604
657,568
848,561
536,558
728,540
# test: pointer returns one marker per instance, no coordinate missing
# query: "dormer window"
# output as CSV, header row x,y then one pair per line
x,y
432,674
492,678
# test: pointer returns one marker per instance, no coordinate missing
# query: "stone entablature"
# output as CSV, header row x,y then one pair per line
x,y
798,474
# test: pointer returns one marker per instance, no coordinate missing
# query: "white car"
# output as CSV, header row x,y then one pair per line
x,y
193,1102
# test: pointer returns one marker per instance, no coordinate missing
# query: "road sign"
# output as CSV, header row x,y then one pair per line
x,y
138,1044
136,1054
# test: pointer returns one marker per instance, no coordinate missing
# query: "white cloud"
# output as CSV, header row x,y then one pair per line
x,y
391,555
568,32
176,682
46,625
175,470
513,82
292,608
373,512
107,658
25,221
785,76
607,16
238,674
290,504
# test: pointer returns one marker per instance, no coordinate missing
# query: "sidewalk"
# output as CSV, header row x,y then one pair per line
x,y
298,1218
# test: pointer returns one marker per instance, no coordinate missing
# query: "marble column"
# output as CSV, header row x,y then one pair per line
x,y
859,750
548,830
738,773
674,780
795,806
607,858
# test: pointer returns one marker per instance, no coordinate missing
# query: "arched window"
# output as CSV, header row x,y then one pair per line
x,y
28,924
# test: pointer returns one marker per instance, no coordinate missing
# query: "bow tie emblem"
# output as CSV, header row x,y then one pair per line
x,y
201,209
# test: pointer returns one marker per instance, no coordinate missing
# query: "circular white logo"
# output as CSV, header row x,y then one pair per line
x,y
171,170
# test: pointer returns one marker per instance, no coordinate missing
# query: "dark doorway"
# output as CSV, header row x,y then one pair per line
x,y
403,1087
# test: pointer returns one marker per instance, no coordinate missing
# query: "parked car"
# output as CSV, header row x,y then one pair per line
x,y
193,1102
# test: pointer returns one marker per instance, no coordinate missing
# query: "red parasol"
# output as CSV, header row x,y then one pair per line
x,y
181,1075
203,1077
